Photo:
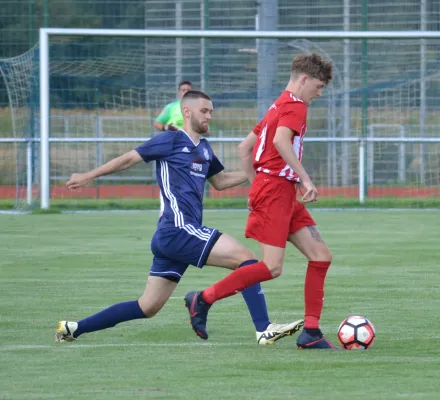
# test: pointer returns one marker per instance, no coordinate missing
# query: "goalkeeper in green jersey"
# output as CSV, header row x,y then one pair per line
x,y
171,119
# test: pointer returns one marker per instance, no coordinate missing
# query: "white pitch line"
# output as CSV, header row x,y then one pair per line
x,y
14,347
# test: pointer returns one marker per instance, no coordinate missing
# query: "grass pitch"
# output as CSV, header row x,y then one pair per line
x,y
386,267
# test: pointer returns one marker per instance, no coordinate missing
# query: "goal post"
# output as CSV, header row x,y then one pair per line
x,y
342,164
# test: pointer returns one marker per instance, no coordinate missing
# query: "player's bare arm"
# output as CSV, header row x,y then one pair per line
x,y
245,152
120,163
283,143
158,126
224,180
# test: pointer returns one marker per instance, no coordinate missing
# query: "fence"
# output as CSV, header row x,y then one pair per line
x,y
365,160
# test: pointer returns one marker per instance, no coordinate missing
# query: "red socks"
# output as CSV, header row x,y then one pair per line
x,y
314,292
237,281
248,275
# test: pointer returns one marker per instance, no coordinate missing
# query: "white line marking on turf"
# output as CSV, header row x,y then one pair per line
x,y
14,347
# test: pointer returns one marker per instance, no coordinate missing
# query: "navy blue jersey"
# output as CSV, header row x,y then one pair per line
x,y
182,168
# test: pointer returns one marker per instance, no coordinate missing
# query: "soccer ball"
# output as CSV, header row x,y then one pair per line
x,y
356,333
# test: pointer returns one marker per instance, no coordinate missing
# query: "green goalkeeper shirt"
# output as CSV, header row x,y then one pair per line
x,y
171,114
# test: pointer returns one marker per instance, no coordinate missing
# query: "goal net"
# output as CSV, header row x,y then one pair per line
x,y
105,93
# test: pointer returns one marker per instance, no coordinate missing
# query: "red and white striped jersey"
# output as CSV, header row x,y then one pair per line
x,y
287,111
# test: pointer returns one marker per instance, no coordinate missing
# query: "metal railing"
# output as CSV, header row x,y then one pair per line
x,y
363,151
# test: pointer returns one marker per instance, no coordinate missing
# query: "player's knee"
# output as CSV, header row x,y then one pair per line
x,y
275,265
325,255
329,256
276,271
275,268
320,253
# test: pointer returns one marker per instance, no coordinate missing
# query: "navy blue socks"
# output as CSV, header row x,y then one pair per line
x,y
109,317
256,302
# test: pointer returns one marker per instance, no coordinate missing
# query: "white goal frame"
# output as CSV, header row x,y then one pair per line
x,y
45,34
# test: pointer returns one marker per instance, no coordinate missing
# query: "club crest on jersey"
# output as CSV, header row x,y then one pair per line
x,y
206,153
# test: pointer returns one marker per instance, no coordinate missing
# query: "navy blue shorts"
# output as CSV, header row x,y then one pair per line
x,y
175,248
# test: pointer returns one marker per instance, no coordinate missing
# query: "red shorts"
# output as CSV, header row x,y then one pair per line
x,y
275,211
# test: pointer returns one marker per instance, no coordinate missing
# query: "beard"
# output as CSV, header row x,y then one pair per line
x,y
202,129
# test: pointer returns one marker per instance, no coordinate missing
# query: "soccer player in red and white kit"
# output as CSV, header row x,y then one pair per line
x,y
271,157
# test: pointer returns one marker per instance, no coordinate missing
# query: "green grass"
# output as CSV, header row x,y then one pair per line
x,y
52,267
70,204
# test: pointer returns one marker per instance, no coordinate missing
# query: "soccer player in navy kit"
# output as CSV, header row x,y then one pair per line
x,y
184,161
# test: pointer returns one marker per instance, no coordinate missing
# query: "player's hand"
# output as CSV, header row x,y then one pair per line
x,y
309,192
78,180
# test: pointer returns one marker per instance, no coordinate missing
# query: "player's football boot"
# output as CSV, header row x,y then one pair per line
x,y
316,341
65,331
198,313
275,332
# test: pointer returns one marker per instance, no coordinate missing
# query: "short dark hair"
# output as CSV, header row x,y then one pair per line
x,y
184,83
194,95
314,65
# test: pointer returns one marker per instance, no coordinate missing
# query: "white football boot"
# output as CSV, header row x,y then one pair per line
x,y
65,331
275,332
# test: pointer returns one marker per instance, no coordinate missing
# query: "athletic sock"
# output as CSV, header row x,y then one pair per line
x,y
314,292
237,281
256,302
109,317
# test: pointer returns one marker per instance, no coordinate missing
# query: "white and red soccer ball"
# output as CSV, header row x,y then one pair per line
x,y
356,333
